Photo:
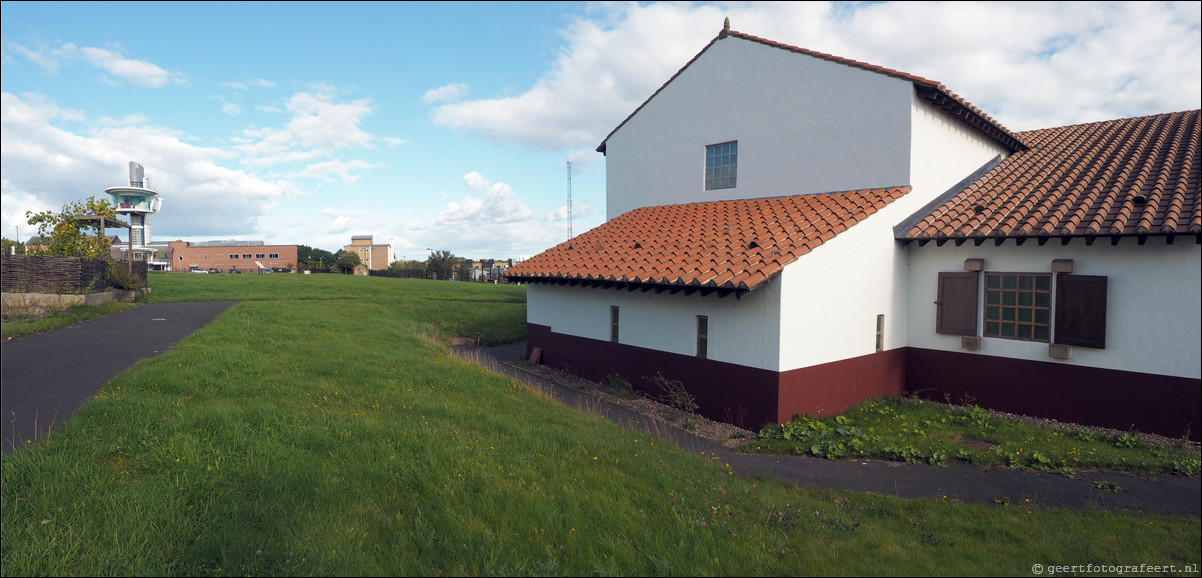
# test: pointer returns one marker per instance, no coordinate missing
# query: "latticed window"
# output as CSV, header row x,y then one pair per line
x,y
721,165
1018,306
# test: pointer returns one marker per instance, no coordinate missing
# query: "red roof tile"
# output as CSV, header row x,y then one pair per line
x,y
736,245
1129,177
930,90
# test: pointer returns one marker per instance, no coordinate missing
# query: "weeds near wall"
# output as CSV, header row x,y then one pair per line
x,y
675,394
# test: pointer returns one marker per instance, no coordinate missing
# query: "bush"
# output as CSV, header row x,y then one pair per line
x,y
119,277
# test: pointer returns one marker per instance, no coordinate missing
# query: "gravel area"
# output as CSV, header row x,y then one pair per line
x,y
718,432
731,436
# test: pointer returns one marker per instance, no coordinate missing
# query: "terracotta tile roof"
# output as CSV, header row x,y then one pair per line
x,y
727,245
1129,177
930,90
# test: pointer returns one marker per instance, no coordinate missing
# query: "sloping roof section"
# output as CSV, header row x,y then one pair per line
x,y
1122,178
932,91
729,246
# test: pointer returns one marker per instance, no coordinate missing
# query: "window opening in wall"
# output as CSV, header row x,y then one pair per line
x,y
880,332
273,256
613,323
259,255
1018,306
246,256
721,165
234,256
703,336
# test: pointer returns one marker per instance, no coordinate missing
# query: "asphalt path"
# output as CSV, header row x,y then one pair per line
x,y
46,377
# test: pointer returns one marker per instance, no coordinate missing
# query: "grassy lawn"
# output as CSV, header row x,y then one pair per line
x,y
321,427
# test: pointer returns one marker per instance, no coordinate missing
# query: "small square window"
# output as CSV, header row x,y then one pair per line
x,y
1017,306
721,166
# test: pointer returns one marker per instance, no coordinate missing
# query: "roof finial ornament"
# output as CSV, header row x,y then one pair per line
x,y
726,25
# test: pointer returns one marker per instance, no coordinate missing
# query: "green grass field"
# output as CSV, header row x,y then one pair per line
x,y
321,427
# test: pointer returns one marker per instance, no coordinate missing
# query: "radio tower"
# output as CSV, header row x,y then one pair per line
x,y
569,198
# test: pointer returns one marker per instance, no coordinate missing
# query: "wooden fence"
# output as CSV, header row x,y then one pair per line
x,y
58,275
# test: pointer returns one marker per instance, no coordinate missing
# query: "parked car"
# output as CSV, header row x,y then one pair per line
x,y
201,271
214,270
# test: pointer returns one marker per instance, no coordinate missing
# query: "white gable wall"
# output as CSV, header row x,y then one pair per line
x,y
833,295
803,124
1153,292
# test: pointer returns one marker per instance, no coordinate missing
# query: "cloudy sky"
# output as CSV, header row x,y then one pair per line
x,y
448,126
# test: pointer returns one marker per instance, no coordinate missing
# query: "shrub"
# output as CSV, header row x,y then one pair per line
x,y
119,277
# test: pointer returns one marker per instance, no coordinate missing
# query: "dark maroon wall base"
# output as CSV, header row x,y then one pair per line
x,y
734,394
749,398
744,396
833,388
1163,405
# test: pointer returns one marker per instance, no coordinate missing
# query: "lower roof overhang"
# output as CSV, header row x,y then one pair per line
x,y
1113,238
644,287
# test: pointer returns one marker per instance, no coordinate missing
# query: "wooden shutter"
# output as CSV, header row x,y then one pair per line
x,y
1081,310
956,309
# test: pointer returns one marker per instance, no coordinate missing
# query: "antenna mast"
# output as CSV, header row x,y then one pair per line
x,y
569,198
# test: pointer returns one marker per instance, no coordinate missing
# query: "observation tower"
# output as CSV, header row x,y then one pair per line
x,y
138,201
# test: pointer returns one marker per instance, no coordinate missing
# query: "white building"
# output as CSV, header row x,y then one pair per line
x,y
782,224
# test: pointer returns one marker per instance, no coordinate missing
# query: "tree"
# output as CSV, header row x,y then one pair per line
x,y
346,262
409,269
318,259
63,234
17,247
442,265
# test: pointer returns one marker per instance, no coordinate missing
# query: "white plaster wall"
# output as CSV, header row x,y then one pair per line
x,y
1154,292
741,331
804,125
831,297
945,152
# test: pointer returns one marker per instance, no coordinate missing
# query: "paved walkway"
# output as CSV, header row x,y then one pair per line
x,y
959,482
44,378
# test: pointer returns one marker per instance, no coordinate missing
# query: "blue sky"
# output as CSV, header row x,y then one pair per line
x,y
447,126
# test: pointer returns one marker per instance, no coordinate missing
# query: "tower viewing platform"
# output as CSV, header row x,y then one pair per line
x,y
138,200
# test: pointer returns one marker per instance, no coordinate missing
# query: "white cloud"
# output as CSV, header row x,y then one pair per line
x,y
230,109
324,171
138,72
47,59
257,83
448,92
45,167
1041,64
497,207
318,121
